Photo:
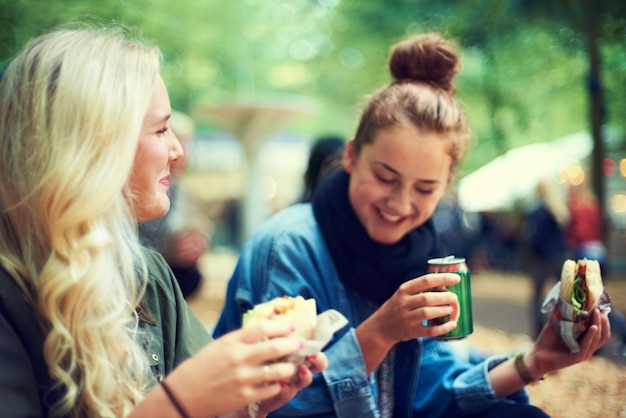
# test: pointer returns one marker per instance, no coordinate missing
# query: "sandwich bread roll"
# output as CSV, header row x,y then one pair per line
x,y
295,311
581,284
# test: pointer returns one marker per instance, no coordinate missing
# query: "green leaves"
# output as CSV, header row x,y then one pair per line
x,y
524,63
578,294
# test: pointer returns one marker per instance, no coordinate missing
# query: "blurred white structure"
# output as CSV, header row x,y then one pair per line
x,y
253,123
497,185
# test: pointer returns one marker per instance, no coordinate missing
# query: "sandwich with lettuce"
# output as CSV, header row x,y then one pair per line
x,y
573,300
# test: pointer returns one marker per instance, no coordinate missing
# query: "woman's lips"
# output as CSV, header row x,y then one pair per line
x,y
165,181
389,217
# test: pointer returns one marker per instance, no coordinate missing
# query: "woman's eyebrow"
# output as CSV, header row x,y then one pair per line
x,y
159,119
387,167
393,170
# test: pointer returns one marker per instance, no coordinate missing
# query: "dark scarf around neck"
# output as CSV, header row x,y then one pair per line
x,y
372,269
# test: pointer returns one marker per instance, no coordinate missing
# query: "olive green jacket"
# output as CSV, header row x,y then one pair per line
x,y
173,333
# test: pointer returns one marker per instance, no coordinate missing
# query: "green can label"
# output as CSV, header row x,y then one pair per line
x,y
462,313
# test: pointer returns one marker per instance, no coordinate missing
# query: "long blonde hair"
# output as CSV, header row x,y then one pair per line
x,y
71,109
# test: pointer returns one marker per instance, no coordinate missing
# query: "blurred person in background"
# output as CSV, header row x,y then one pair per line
x,y
361,247
585,240
544,227
182,236
584,234
449,220
325,152
92,324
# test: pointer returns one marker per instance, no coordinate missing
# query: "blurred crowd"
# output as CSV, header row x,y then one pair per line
x,y
558,223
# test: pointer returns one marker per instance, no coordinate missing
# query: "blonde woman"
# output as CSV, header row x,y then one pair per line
x,y
91,323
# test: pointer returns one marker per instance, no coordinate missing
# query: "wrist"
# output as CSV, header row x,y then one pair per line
x,y
174,400
527,369
534,367
374,329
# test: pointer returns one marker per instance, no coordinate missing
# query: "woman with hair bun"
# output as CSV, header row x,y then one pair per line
x,y
91,323
361,247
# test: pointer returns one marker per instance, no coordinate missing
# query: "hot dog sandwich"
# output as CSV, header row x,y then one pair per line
x,y
295,311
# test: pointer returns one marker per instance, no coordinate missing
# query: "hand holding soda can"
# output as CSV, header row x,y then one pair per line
x,y
461,313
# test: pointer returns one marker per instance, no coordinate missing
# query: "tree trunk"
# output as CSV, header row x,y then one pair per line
x,y
597,108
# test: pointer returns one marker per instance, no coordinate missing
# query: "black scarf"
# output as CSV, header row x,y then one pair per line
x,y
374,270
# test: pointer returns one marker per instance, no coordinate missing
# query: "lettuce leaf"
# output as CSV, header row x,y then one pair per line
x,y
578,294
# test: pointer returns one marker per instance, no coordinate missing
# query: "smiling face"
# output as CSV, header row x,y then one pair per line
x,y
157,149
397,181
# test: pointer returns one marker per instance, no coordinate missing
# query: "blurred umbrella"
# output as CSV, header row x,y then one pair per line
x,y
497,185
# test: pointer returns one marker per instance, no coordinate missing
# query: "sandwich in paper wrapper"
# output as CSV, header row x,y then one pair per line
x,y
316,330
573,299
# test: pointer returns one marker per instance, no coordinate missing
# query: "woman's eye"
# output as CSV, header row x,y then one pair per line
x,y
424,191
162,131
383,179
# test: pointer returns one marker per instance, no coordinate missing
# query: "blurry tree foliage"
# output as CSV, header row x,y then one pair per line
x,y
526,64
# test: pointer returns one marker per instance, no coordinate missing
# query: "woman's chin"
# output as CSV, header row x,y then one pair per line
x,y
385,238
154,212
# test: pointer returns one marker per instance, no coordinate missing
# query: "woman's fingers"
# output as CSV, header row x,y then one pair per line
x,y
267,341
259,351
595,337
437,330
265,329
317,363
598,333
273,350
273,373
429,282
605,327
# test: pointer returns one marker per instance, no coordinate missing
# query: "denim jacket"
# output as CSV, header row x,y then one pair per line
x,y
287,256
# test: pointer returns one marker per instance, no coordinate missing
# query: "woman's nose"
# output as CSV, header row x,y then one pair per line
x,y
400,201
176,149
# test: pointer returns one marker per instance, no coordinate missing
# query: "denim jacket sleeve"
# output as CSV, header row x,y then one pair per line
x,y
351,390
474,391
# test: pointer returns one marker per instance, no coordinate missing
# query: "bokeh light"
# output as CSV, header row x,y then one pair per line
x,y
302,50
609,167
352,58
574,175
618,203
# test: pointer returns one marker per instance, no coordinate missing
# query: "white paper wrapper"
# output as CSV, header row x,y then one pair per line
x,y
571,323
328,322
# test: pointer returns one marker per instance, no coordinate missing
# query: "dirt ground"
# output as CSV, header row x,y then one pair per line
x,y
596,388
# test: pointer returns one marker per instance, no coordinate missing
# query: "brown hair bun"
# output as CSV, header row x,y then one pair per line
x,y
426,58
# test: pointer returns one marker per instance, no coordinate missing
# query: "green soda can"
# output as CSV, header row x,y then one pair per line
x,y
462,313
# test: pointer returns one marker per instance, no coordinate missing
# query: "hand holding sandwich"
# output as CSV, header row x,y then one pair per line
x,y
249,372
572,301
579,326
548,354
